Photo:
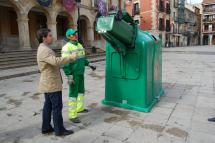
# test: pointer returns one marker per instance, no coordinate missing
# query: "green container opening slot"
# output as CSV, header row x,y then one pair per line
x,y
133,63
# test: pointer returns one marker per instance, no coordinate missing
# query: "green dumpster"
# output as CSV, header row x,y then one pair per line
x,y
133,63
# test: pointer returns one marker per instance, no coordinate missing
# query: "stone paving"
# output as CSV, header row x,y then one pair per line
x,y
179,117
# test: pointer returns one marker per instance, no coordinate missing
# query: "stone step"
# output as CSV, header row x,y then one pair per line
x,y
15,53
15,59
95,55
31,69
18,57
25,63
11,66
94,60
18,75
30,57
5,56
89,50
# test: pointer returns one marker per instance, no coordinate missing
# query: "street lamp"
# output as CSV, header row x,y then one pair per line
x,y
78,22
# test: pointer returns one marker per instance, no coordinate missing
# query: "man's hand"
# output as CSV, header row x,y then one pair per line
x,y
70,79
73,56
93,67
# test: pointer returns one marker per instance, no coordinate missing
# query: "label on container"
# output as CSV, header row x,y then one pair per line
x,y
124,101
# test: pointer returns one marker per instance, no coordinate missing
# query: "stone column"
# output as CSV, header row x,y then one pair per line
x,y
24,40
52,25
3,35
90,35
210,39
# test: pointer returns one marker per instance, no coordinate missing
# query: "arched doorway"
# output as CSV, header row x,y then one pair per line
x,y
64,21
97,36
213,40
84,30
98,42
37,20
205,40
9,33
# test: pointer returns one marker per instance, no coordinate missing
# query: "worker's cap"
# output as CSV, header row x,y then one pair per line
x,y
70,32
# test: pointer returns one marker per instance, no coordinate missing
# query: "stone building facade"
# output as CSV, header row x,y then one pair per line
x,y
152,16
20,19
192,25
208,18
186,29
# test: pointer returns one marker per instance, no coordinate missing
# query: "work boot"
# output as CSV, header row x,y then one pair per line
x,y
75,120
211,119
65,133
84,111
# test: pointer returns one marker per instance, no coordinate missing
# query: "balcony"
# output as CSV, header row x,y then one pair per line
x,y
136,9
161,24
190,29
179,20
175,31
161,27
211,10
168,27
168,11
209,30
186,33
188,20
182,31
209,20
190,32
161,6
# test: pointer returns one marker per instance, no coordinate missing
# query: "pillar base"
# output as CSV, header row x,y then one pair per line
x,y
25,48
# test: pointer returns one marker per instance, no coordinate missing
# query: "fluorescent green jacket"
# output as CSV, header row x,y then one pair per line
x,y
76,67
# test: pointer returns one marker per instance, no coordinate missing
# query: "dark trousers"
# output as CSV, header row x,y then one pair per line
x,y
53,104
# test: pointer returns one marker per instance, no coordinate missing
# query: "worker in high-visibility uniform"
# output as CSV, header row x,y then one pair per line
x,y
75,74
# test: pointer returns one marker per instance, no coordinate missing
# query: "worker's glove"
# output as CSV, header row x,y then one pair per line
x,y
73,56
93,67
70,79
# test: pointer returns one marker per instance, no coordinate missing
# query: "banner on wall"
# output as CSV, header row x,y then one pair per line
x,y
101,7
45,3
69,5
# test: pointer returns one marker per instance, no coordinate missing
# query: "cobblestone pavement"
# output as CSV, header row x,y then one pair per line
x,y
179,117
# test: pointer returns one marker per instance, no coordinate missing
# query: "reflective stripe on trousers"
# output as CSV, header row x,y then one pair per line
x,y
72,109
80,102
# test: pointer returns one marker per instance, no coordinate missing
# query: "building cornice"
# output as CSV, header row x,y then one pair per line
x,y
208,3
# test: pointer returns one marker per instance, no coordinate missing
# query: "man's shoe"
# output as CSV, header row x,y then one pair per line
x,y
65,133
48,131
84,111
75,120
211,119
